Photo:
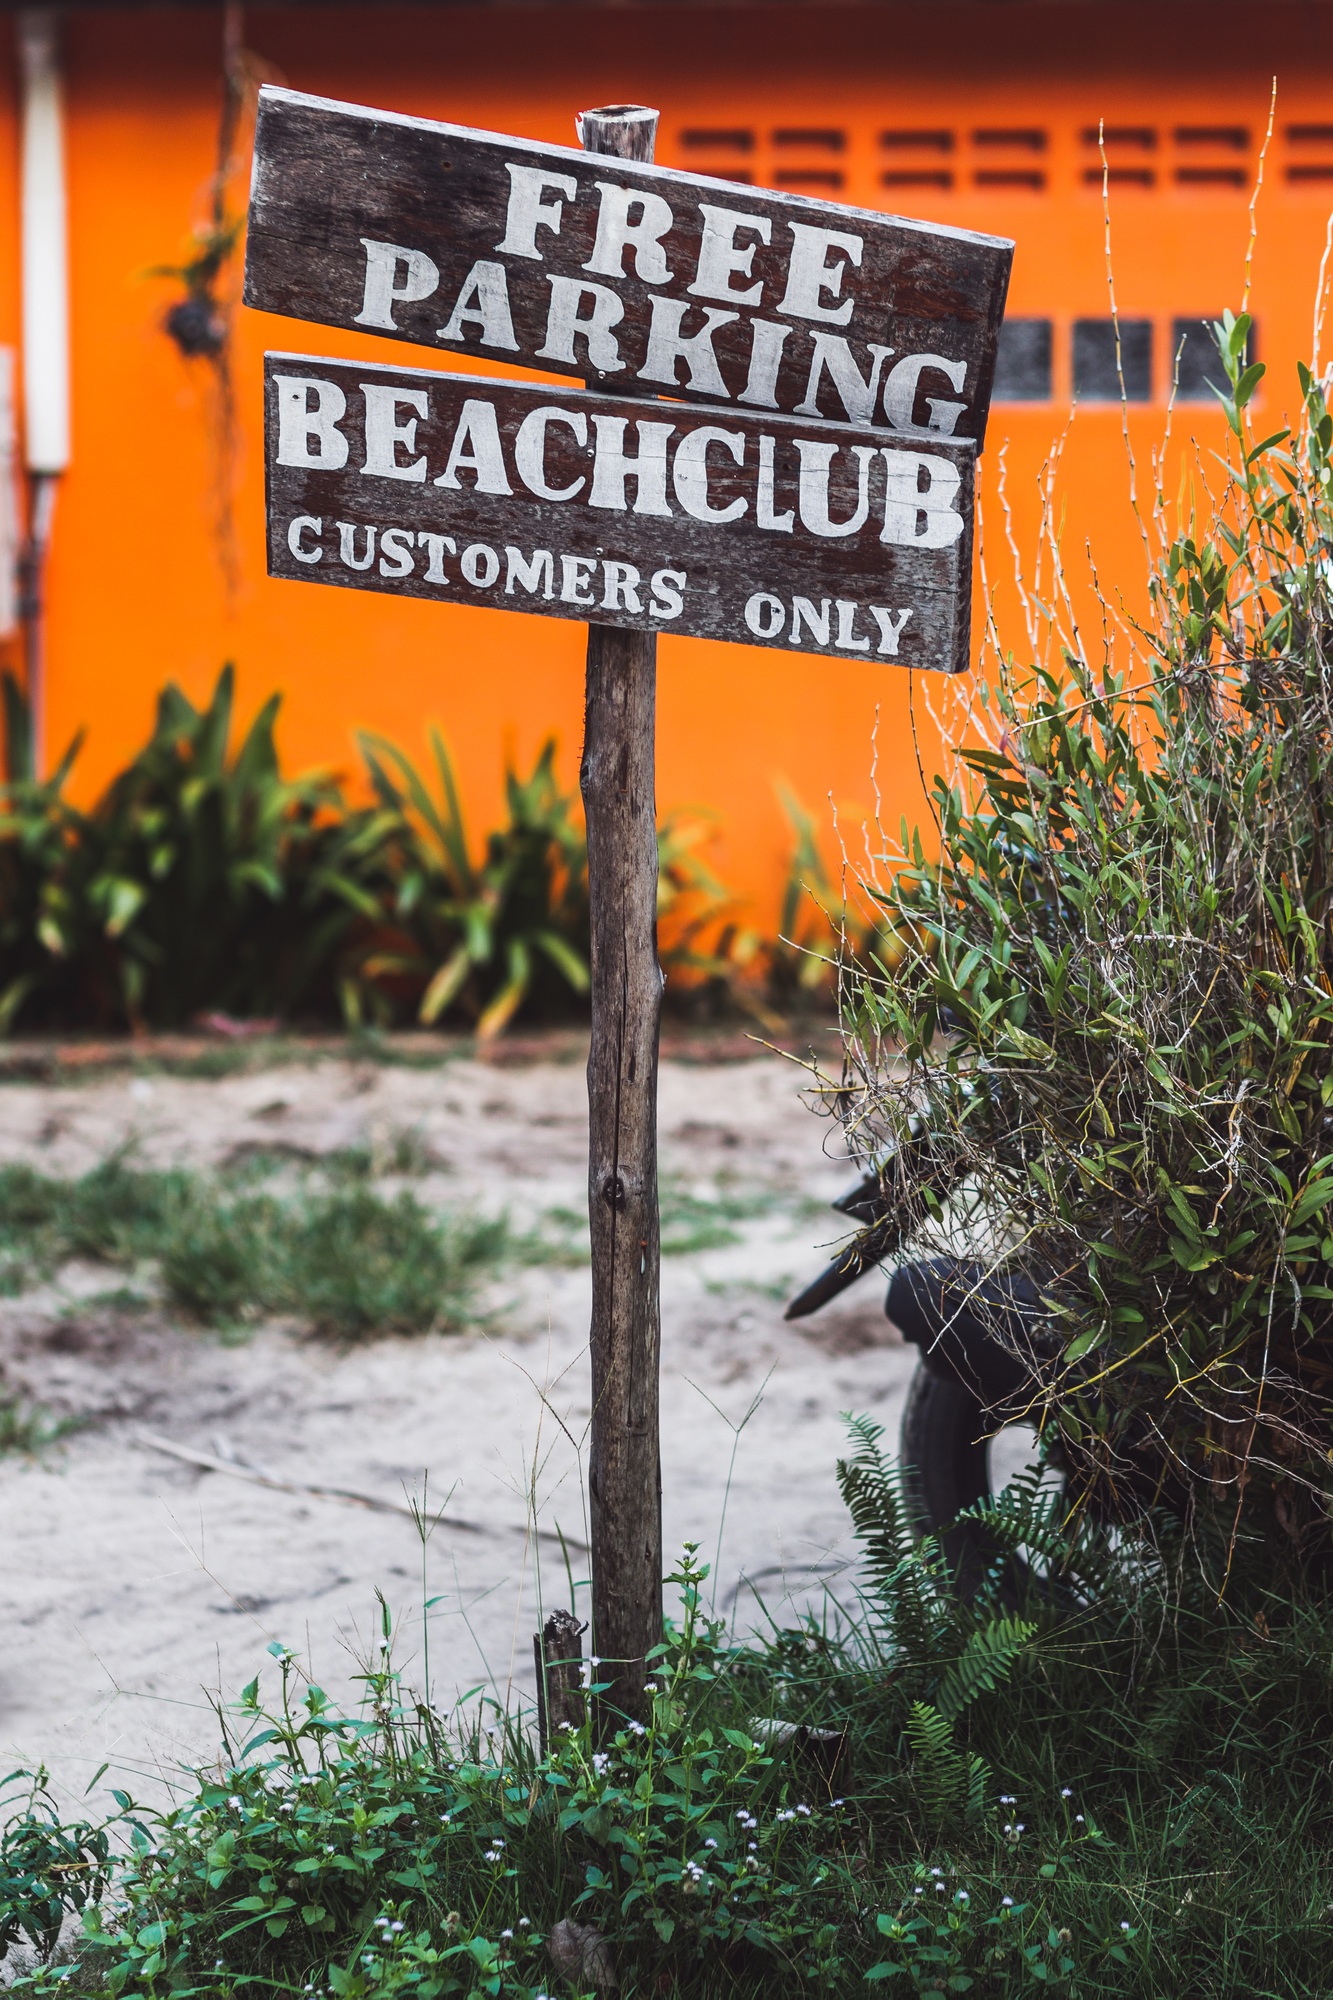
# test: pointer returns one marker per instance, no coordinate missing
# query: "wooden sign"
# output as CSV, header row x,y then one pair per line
x,y
639,280
774,531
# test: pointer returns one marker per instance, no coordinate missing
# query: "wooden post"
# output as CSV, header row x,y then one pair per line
x,y
619,801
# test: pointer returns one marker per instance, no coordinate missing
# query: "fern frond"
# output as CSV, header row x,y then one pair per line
x,y
985,1662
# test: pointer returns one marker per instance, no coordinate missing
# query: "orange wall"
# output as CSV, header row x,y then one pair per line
x,y
136,589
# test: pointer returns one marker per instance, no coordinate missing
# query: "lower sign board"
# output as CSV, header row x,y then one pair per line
x,y
812,536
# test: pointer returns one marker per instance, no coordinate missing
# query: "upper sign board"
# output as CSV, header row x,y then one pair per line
x,y
770,530
640,280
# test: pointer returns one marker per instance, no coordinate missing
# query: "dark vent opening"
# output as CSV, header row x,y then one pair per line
x,y
1235,137
816,136
1311,171
1009,178
1096,375
935,142
1310,135
1142,137
1233,177
1143,177
729,139
1029,138
909,177
1023,362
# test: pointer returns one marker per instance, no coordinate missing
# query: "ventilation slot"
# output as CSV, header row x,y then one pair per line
x,y
1006,157
719,150
1121,156
815,173
1310,158
918,159
1211,156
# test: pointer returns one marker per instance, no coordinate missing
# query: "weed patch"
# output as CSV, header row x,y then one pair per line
x,y
1103,1785
342,1255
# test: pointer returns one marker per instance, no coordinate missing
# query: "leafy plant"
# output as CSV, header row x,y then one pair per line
x,y
481,937
1115,1011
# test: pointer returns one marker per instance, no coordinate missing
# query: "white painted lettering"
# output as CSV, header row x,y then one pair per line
x,y
530,450
532,575
900,393
347,555
527,212
479,565
574,574
761,384
858,395
435,546
765,615
764,516
813,489
846,634
921,519
396,558
617,233
299,423
384,261
721,258
804,612
483,302
666,586
620,587
648,469
296,530
667,346
810,275
384,433
890,625
690,472
477,427
564,325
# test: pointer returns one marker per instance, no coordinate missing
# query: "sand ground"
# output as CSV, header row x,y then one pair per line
x,y
137,1590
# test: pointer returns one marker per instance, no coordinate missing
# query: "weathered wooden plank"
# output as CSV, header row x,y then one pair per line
x,y
638,279
617,779
774,531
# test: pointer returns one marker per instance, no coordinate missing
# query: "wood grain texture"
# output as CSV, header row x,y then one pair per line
x,y
617,777
715,308
366,511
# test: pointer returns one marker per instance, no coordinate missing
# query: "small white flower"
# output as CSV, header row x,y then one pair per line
x,y
962,1897
1007,1799
235,1801
918,1891
1065,1792
1006,1902
1123,1925
525,1923
710,1843
503,1934
395,1928
1078,1819
804,1811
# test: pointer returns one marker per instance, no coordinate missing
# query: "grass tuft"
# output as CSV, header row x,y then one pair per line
x,y
341,1255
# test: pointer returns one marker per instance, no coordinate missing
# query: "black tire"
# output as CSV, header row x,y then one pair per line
x,y
945,1468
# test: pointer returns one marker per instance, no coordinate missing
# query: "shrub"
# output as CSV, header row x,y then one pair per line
x,y
1112,1026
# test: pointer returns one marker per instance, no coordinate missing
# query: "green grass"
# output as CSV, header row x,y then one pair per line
x,y
327,1247
1111,1786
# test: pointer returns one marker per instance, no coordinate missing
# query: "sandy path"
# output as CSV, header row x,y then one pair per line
x,y
136,1587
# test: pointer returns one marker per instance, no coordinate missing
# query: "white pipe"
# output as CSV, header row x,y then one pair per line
x,y
45,245
45,260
